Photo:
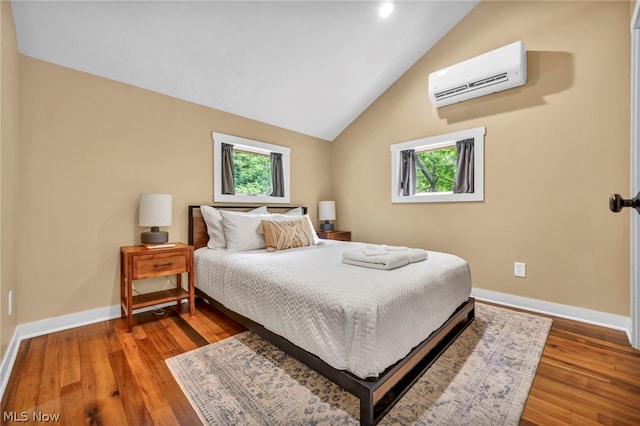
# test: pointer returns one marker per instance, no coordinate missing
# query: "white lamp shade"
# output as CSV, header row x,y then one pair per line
x,y
327,210
155,210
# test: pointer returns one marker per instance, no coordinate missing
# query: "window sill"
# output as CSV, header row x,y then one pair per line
x,y
267,199
438,197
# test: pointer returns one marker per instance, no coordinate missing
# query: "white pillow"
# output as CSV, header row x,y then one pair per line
x,y
243,231
319,241
213,220
294,212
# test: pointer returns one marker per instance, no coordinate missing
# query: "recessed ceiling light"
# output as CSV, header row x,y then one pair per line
x,y
386,10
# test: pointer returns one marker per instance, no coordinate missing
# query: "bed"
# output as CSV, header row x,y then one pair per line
x,y
356,326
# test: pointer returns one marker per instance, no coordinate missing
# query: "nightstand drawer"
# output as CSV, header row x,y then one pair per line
x,y
335,235
154,265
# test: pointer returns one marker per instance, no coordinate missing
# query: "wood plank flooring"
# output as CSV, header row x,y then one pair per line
x,y
101,375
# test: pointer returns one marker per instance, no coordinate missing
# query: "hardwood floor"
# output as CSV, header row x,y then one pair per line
x,y
587,375
101,375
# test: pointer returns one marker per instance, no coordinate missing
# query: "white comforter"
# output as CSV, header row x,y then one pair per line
x,y
353,318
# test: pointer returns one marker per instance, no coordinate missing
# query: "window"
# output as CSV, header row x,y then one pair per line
x,y
260,171
436,170
251,172
443,168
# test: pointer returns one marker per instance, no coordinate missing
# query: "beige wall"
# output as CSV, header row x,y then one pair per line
x,y
555,149
89,146
9,100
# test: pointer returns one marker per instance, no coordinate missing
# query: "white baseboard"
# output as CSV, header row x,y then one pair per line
x,y
8,361
588,316
630,334
51,325
65,322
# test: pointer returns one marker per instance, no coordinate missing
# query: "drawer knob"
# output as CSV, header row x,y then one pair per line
x,y
160,265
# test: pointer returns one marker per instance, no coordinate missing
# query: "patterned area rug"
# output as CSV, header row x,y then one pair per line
x,y
483,378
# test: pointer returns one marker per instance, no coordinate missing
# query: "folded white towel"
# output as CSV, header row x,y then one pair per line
x,y
394,248
415,254
374,251
384,258
384,266
386,247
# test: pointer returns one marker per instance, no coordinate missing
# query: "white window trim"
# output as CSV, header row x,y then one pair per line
x,y
251,146
448,139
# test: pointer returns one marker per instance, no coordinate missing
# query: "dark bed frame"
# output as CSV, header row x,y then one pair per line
x,y
377,395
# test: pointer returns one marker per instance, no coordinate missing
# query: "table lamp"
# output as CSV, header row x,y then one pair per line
x,y
155,211
327,212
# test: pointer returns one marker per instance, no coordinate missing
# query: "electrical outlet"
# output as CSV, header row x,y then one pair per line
x,y
520,269
10,303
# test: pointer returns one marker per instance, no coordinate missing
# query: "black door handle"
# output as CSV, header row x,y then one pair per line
x,y
617,203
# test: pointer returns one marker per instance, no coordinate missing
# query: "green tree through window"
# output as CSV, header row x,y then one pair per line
x,y
436,170
251,172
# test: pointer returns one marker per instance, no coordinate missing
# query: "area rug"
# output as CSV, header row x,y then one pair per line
x,y
483,378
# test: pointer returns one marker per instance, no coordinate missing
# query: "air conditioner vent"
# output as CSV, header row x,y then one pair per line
x,y
489,80
500,69
451,92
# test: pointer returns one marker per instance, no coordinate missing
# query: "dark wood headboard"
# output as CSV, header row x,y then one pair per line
x,y
198,236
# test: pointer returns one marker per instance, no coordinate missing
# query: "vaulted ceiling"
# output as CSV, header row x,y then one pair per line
x,y
308,66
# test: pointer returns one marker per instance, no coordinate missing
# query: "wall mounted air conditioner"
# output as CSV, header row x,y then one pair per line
x,y
500,69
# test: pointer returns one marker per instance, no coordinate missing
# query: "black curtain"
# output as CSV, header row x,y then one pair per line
x,y
228,183
464,167
408,182
277,175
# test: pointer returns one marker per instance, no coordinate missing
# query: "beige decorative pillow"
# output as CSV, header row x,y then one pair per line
x,y
280,235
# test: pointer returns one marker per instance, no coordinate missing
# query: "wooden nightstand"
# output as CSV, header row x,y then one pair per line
x,y
335,235
139,262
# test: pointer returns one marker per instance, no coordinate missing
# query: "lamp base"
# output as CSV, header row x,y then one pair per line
x,y
154,236
326,226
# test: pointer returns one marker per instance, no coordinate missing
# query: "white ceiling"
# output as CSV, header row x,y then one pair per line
x,y
308,66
